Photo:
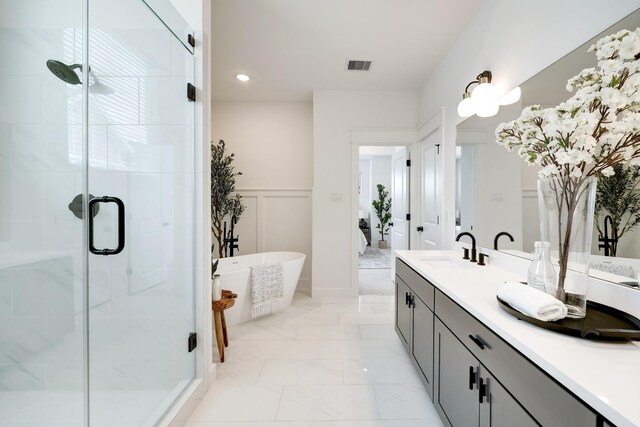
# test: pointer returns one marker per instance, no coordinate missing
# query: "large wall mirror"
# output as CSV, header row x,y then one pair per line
x,y
496,190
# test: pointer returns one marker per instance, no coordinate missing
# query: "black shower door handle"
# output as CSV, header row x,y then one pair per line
x,y
121,221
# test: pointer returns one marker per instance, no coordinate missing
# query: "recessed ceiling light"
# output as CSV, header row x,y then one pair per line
x,y
242,77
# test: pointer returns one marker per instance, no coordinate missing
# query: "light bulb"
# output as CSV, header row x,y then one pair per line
x,y
466,107
488,109
484,93
510,97
242,77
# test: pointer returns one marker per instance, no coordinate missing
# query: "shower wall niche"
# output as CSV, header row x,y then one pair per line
x,y
89,339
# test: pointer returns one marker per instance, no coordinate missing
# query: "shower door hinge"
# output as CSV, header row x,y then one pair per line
x,y
408,217
191,92
191,40
408,163
193,341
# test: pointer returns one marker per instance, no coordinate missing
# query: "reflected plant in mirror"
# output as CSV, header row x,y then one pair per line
x,y
617,210
576,142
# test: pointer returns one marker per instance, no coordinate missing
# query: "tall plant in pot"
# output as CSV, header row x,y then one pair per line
x,y
573,144
382,209
618,205
225,202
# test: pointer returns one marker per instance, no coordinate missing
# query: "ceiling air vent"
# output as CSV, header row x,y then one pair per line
x,y
358,65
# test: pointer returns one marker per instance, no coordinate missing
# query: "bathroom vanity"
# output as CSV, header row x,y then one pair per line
x,y
483,367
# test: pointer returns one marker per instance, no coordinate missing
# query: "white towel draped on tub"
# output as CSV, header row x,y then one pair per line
x,y
267,289
532,302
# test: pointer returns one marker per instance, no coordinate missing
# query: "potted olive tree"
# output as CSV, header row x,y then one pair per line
x,y
382,208
226,204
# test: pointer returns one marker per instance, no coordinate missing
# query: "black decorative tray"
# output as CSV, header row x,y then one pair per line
x,y
601,323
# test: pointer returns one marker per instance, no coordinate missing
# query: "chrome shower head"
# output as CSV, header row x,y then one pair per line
x,y
64,72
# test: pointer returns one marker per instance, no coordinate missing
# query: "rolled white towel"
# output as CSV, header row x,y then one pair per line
x,y
532,302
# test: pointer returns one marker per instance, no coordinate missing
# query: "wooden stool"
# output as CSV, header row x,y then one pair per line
x,y
218,307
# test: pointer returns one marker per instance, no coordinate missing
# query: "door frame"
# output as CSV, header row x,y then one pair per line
x,y
409,138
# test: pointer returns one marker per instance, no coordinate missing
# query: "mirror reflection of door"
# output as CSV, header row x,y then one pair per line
x,y
465,191
400,205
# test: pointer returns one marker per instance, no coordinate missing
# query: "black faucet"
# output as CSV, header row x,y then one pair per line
x,y
230,242
473,245
610,245
500,234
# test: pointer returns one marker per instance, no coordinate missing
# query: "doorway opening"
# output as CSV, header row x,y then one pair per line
x,y
383,220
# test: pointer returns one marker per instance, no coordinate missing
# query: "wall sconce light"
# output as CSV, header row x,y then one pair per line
x,y
483,100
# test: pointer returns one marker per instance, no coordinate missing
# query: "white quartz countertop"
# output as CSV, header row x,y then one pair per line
x,y
603,374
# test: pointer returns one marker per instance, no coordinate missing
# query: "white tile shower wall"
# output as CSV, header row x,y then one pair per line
x,y
137,152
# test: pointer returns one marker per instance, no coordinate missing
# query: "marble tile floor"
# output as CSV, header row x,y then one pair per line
x,y
319,363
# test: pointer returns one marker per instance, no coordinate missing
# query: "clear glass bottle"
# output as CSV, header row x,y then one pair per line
x,y
541,274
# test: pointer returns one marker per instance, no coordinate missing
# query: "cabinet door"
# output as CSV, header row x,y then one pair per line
x,y
403,312
455,388
498,408
422,334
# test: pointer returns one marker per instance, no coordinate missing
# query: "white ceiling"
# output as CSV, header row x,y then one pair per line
x,y
291,47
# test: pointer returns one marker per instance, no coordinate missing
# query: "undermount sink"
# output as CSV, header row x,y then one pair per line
x,y
447,263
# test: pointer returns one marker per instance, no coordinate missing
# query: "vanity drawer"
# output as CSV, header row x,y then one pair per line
x,y
417,283
547,401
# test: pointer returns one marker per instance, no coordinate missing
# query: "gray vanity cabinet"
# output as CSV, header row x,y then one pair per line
x,y
403,313
455,396
465,393
422,341
414,319
475,378
499,408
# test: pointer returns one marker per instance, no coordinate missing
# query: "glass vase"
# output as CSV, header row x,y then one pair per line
x,y
566,206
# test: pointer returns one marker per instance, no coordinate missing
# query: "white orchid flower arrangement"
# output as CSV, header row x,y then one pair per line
x,y
598,127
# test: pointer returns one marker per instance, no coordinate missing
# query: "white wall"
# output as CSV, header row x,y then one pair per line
x,y
514,40
273,144
335,114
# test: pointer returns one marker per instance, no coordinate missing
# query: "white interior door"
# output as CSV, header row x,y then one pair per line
x,y
430,227
399,202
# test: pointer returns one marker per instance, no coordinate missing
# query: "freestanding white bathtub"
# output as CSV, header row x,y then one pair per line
x,y
235,275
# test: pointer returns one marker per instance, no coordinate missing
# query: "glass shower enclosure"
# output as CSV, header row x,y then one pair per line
x,y
97,217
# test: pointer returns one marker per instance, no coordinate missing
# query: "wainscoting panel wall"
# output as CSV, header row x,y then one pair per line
x,y
277,220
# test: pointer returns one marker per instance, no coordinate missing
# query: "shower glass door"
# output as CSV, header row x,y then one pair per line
x,y
42,279
141,146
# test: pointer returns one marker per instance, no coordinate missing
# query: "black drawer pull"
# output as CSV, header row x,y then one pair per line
x,y
472,377
482,390
478,341
406,298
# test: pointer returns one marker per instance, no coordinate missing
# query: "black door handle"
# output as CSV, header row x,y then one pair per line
x,y
478,341
482,390
406,298
472,377
420,229
121,222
